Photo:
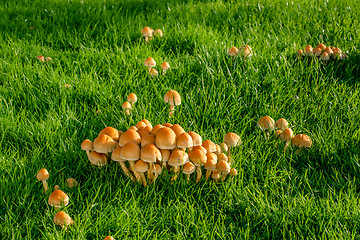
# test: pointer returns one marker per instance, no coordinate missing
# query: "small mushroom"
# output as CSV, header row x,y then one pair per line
x,y
132,98
188,169
266,124
300,54
153,72
41,58
127,107
301,141
56,187
308,50
71,182
109,238
325,57
233,52
317,52
147,33
173,98
281,124
158,33
58,199
62,219
199,158
286,136
245,51
150,63
43,175
141,167
165,66
87,145
321,46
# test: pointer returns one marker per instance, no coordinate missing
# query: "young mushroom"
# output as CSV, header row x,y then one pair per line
x,y
71,182
127,107
150,63
87,146
116,157
173,98
62,219
233,52
147,33
43,175
153,72
165,66
199,158
245,51
301,140
188,169
132,98
158,33
141,167
58,199
324,57
109,238
281,124
308,50
177,159
266,124
286,136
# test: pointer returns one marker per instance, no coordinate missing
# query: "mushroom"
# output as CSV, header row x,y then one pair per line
x,y
233,51
215,175
177,159
165,155
132,98
167,125
62,219
165,66
266,124
224,147
87,145
173,98
71,182
300,53
281,124
286,136
158,33
245,51
111,132
301,140
177,129
116,157
127,107
131,152
233,172
210,164
58,199
56,187
109,238
184,141
209,146
308,50
150,63
199,158
165,138
104,144
336,53
201,148
153,72
41,58
329,51
98,159
48,59
156,128
147,33
317,52
223,167
147,122
232,139
188,169
325,57
141,167
43,175
129,136
148,138
197,140
156,171
150,154
321,46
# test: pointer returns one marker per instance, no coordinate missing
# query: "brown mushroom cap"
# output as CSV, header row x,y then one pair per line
x,y
140,125
104,144
198,157
233,51
165,138
165,154
301,140
132,98
300,53
266,123
232,139
141,166
184,140
169,125
71,182
62,219
147,32
308,50
209,146
224,147
129,136
210,164
197,140
321,46
286,135
189,168
158,32
87,145
115,155
157,169
58,199
42,175
223,167
177,129
126,105
222,157
278,132
172,97
109,238
165,66
153,72
150,153
215,175
148,138
317,51
133,128
148,123
329,51
130,151
98,159
211,156
149,62
233,172
281,124
325,56
178,158
111,132
156,128
245,51
201,148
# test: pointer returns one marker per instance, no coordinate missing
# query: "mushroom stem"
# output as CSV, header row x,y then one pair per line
x,y
146,39
126,171
150,173
172,110
127,111
132,168
223,177
88,153
286,145
149,69
198,172
188,177
142,179
208,174
45,185
176,171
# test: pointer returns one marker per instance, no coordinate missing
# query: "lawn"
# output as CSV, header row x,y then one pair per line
x,y
48,108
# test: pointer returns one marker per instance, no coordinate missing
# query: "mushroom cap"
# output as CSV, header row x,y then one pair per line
x,y
132,98
189,168
184,140
158,32
321,46
317,51
156,128
211,156
165,66
336,53
153,72
308,50
140,125
300,53
210,164
281,124
278,132
98,159
232,139
71,182
165,154
233,51
218,149
141,166
42,175
178,158
148,138
129,136
329,51
144,131
233,172
201,148
157,169
172,97
130,151
126,105
104,144
325,56
148,123
147,32
167,125
209,146
198,157
150,153
286,135
111,132
56,187
301,140
266,123
177,129
197,140
222,157
87,145
224,147
223,167
115,155
165,138
149,62
109,238
62,219
58,199
246,51
133,128
215,175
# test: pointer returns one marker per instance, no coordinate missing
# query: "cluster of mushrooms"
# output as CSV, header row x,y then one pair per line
x,y
284,133
146,149
244,51
57,198
149,33
43,59
128,105
322,52
150,63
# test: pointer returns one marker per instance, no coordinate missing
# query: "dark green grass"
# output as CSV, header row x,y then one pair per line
x,y
97,48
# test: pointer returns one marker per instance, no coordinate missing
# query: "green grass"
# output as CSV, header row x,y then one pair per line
x,y
97,48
